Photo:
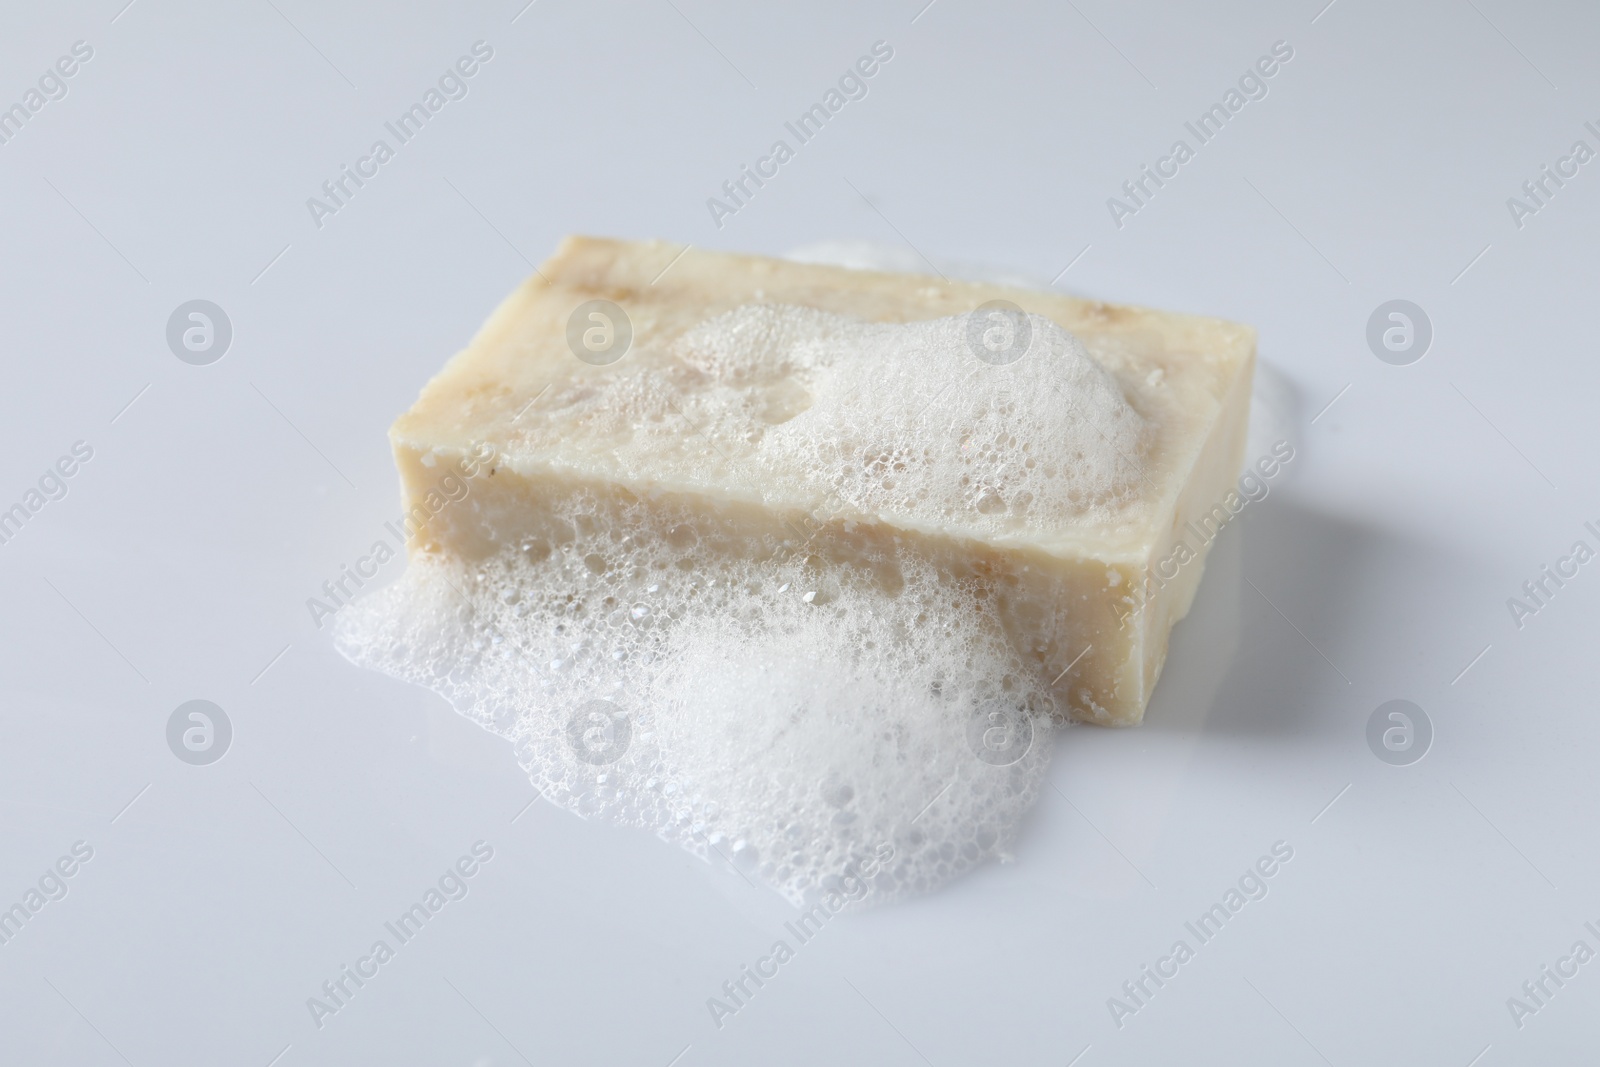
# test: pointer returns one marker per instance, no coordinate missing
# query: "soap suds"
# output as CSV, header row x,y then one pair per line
x,y
905,420
790,715
893,419
1275,404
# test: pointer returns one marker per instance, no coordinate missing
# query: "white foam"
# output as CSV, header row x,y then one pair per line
x,y
794,719
902,419
1275,403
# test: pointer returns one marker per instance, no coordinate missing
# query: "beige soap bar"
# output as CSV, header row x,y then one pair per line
x,y
766,408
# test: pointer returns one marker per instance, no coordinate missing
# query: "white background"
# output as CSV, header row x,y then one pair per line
x,y
1378,167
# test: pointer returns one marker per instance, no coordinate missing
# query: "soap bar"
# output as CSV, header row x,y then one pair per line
x,y
1048,457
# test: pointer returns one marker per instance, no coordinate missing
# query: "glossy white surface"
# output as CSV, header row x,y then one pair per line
x,y
219,898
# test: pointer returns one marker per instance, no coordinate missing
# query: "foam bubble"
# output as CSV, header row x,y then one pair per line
x,y
903,419
818,726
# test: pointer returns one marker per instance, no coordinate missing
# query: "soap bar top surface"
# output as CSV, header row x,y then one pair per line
x,y
858,394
